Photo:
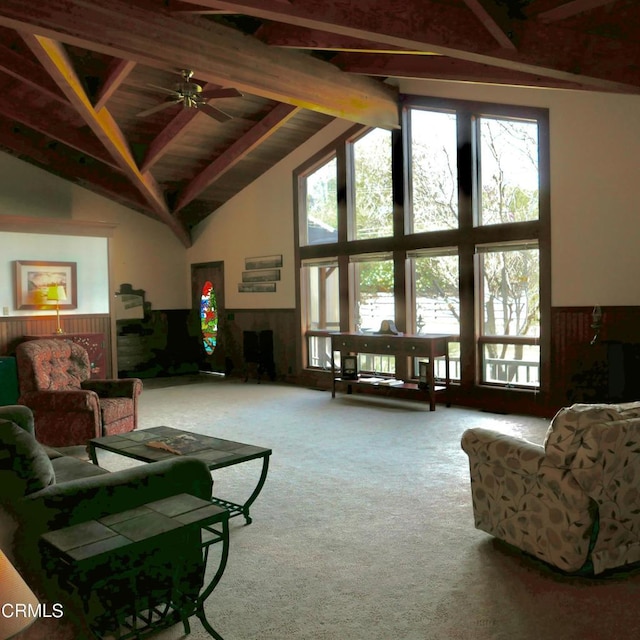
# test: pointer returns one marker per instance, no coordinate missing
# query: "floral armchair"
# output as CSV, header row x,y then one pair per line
x,y
574,501
69,408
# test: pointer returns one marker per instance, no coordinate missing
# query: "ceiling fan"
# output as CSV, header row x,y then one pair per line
x,y
192,96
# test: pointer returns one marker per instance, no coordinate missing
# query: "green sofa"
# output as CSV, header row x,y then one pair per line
x,y
43,490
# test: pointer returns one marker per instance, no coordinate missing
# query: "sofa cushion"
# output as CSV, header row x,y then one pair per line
x,y
565,433
24,465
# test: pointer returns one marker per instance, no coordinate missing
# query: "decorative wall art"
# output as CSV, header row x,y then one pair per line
x,y
263,262
256,287
34,278
261,275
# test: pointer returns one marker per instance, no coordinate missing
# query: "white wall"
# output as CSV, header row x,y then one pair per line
x,y
258,222
142,251
90,255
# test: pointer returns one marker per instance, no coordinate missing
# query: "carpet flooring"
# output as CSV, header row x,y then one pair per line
x,y
364,529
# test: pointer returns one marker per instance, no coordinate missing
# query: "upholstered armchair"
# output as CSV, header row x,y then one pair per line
x,y
70,408
573,501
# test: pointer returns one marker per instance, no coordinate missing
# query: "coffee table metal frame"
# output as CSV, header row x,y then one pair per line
x,y
80,549
217,453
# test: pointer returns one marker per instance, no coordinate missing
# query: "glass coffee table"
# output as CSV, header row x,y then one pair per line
x,y
161,443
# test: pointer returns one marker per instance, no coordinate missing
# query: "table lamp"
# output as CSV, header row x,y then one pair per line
x,y
57,293
18,604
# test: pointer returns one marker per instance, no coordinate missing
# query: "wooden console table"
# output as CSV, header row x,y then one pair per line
x,y
430,345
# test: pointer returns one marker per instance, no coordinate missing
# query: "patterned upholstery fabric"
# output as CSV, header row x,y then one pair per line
x,y
68,407
569,502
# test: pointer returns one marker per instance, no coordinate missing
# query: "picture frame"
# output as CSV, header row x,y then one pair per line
x,y
261,275
256,287
423,375
263,262
349,367
34,277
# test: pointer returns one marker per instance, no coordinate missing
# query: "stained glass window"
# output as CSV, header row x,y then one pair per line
x,y
209,317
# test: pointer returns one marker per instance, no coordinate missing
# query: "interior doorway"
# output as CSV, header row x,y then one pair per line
x,y
207,303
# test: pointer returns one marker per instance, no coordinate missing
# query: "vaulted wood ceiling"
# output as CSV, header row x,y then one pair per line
x,y
75,74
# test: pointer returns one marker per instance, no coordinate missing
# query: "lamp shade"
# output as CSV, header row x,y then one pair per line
x,y
56,293
18,604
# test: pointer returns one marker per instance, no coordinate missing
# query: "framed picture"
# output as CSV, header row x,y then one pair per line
x,y
423,374
263,262
33,278
350,367
261,275
256,287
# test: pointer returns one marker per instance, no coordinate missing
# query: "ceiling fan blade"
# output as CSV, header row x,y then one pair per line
x,y
158,107
171,92
220,93
216,114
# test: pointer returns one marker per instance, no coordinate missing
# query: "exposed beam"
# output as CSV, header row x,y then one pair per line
x,y
47,125
34,148
570,9
290,36
170,134
453,31
277,117
443,68
495,20
30,73
116,75
55,60
216,53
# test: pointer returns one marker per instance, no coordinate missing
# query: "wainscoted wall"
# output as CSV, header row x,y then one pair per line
x,y
600,370
607,370
12,330
285,342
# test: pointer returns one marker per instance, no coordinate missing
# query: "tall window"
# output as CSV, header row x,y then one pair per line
x,y
472,258
509,285
372,188
434,172
436,299
321,303
321,205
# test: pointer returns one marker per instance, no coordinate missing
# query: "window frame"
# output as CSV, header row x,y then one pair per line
x,y
466,237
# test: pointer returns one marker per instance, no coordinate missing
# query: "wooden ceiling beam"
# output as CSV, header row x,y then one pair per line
x,y
451,30
55,60
44,124
35,148
444,68
172,132
116,75
570,9
276,118
277,34
29,72
495,20
216,53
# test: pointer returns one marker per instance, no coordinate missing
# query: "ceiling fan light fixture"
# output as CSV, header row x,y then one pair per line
x,y
192,96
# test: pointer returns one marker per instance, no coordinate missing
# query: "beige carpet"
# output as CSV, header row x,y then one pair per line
x,y
364,529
